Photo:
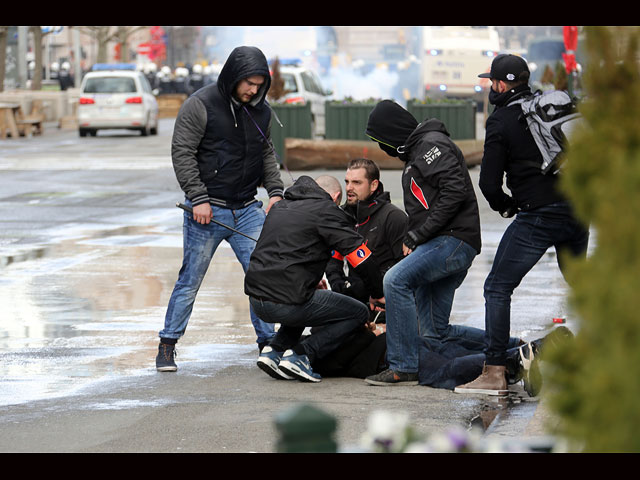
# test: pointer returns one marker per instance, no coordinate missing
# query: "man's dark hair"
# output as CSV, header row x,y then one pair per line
x,y
372,172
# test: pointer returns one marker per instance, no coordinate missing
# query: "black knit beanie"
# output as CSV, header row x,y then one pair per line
x,y
390,125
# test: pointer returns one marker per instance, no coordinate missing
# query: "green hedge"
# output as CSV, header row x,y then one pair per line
x,y
458,117
348,121
296,123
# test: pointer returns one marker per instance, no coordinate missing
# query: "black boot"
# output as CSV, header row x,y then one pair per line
x,y
165,360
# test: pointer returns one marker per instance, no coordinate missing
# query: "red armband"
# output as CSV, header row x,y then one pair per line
x,y
359,255
335,254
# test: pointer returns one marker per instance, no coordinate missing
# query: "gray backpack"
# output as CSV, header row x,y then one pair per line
x,y
551,116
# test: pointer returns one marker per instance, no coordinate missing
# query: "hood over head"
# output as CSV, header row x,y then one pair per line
x,y
427,125
390,125
244,62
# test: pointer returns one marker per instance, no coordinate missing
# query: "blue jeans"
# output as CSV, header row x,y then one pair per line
x,y
419,293
336,314
199,244
524,242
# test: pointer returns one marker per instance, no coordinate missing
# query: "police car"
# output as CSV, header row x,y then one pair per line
x,y
116,96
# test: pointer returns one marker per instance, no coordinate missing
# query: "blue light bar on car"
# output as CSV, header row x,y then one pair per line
x,y
113,66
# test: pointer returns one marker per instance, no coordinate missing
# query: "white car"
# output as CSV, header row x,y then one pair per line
x,y
116,99
303,86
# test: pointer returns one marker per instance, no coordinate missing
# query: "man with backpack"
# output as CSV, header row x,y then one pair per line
x,y
543,216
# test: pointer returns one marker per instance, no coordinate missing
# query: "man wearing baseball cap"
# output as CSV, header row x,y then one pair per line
x,y
508,68
543,216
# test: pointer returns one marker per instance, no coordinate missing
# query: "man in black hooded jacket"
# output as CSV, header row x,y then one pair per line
x,y
442,240
286,268
221,152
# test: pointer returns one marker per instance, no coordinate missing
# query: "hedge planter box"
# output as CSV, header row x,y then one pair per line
x,y
347,121
458,118
296,123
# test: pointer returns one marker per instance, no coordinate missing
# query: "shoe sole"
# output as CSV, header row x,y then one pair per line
x,y
531,378
405,383
166,369
294,371
271,369
482,391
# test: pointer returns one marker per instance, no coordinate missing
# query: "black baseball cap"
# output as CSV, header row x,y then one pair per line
x,y
506,67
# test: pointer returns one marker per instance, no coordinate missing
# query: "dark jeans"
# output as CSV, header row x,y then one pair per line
x,y
524,242
441,371
338,314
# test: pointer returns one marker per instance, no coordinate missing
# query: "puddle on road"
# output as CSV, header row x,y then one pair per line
x,y
517,407
88,309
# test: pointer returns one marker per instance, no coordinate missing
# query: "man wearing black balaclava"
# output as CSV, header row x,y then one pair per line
x,y
442,240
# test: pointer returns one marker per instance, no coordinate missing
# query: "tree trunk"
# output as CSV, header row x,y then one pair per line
x,y
36,81
3,55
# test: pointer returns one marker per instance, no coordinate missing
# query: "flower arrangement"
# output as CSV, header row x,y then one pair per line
x,y
392,432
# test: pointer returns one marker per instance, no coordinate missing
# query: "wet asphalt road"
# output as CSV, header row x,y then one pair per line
x,y
90,247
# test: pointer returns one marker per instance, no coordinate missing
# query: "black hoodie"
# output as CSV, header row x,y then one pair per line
x,y
438,194
296,243
220,147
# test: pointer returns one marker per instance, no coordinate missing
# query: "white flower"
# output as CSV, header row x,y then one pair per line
x,y
387,431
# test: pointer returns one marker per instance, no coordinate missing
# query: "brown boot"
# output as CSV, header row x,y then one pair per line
x,y
492,381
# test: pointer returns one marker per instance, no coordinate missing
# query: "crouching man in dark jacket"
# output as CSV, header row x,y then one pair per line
x,y
286,267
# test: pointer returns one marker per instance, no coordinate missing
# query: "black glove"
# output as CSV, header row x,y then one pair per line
x,y
412,240
510,208
339,286
509,212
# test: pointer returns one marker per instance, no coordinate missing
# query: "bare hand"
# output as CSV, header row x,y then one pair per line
x,y
202,213
376,304
406,250
272,202
376,329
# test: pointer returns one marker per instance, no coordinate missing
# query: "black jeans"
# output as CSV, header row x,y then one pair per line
x,y
338,314
443,371
524,242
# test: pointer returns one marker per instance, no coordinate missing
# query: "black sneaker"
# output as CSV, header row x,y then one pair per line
x,y
389,377
165,359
